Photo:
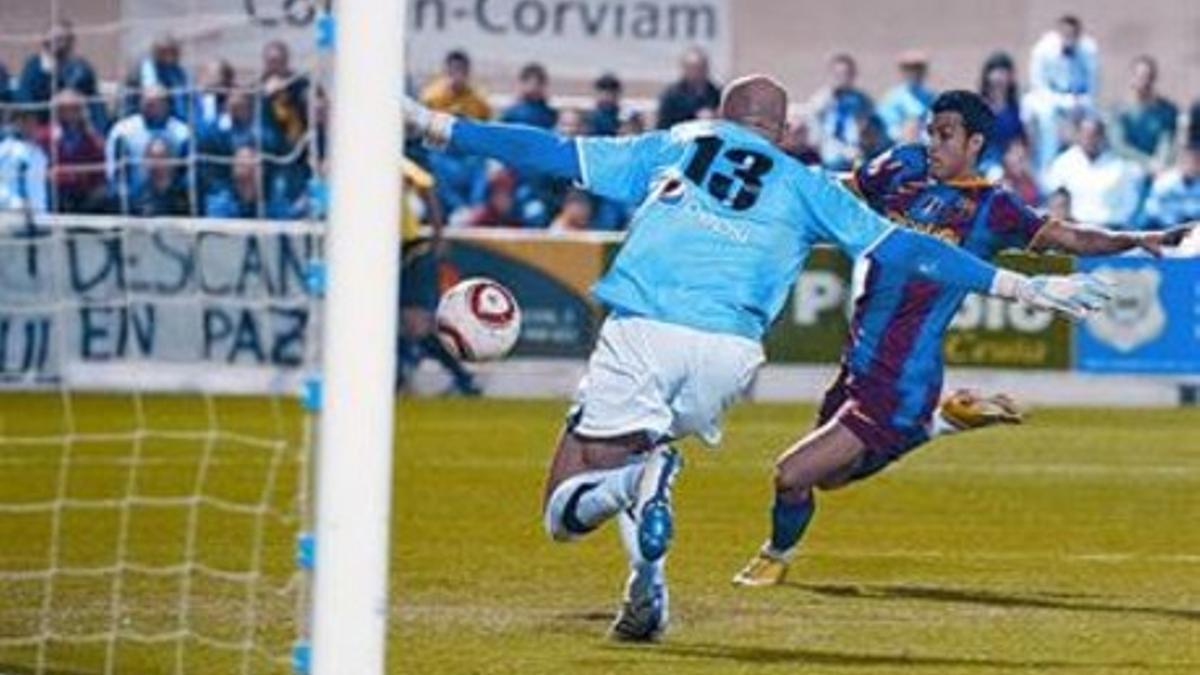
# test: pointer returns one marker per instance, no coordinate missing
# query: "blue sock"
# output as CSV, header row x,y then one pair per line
x,y
788,522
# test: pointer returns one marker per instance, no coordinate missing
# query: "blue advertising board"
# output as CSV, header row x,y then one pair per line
x,y
1153,325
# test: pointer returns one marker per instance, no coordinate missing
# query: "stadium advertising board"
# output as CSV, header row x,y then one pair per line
x,y
1153,326
552,277
156,304
643,37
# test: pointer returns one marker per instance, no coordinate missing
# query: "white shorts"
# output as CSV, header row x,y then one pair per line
x,y
666,380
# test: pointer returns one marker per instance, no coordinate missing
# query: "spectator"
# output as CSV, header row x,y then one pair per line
x,y
873,138
498,208
694,90
575,214
605,118
998,87
531,107
162,193
285,139
277,66
212,93
797,143
216,144
162,69
56,67
243,196
1105,188
1058,205
632,124
276,61
1146,123
129,138
1017,172
77,171
1193,134
1175,197
22,166
836,108
5,86
453,92
460,180
1063,80
904,108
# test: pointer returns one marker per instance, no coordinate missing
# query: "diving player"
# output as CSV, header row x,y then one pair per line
x,y
723,223
882,403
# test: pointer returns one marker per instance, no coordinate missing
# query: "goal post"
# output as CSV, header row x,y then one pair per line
x,y
354,464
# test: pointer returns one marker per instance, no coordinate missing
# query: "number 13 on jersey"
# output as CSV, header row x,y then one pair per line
x,y
737,181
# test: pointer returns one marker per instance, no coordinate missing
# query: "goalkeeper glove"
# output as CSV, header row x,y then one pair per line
x,y
1076,295
434,127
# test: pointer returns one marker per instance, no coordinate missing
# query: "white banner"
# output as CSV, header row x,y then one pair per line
x,y
162,304
639,40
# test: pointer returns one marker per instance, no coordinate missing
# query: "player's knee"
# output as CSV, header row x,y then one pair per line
x,y
553,524
789,480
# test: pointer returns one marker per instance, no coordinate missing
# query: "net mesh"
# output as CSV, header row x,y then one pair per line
x,y
154,454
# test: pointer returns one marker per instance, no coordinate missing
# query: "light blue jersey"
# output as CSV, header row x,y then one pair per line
x,y
724,223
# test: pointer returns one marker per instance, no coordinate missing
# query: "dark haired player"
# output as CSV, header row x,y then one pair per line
x,y
884,401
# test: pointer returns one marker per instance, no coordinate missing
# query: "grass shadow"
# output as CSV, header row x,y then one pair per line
x,y
764,656
9,669
1051,601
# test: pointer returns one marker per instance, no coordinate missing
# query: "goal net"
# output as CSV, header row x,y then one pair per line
x,y
153,448
158,363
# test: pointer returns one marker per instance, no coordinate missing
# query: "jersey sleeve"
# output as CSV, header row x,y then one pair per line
x,y
836,216
890,172
1013,222
622,168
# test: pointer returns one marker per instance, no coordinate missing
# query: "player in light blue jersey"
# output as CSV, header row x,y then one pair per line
x,y
723,223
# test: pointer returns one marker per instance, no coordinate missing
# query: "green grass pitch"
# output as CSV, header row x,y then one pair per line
x,y
1070,545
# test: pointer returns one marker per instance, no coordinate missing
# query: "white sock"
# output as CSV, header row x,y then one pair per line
x,y
940,426
582,502
640,571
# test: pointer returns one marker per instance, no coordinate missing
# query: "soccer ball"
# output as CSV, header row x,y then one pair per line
x,y
478,320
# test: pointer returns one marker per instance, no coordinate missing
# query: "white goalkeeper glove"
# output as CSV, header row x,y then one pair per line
x,y
431,125
1076,295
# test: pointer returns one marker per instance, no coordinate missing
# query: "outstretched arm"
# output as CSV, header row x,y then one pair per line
x,y
934,259
524,148
859,231
1081,239
621,169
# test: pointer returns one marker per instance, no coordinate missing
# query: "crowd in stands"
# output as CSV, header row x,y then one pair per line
x,y
1128,163
174,143
170,142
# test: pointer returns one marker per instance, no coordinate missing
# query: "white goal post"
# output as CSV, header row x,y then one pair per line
x,y
354,471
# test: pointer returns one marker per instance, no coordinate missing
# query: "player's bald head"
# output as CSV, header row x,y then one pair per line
x,y
758,102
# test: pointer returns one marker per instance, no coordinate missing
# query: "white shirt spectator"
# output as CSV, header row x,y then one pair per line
x,y
22,176
127,143
1065,75
1174,199
1106,190
1063,81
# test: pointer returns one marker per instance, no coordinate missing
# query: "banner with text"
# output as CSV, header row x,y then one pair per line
x,y
639,40
156,304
